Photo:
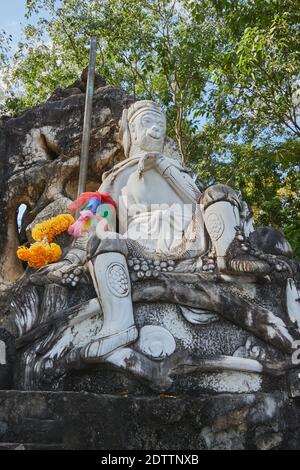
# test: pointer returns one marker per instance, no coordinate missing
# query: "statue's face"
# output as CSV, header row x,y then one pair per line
x,y
148,131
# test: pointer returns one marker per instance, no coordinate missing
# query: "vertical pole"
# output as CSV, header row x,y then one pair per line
x,y
84,158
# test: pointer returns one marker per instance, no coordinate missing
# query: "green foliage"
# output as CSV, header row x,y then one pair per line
x,y
226,71
4,47
5,41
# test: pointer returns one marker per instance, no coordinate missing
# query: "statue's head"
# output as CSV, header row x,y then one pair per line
x,y
143,128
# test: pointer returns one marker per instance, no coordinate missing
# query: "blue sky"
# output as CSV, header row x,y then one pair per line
x,y
11,17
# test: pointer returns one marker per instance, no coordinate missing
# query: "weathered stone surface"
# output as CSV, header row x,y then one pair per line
x,y
167,422
39,161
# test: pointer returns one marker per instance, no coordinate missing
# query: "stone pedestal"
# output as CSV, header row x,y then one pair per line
x,y
72,420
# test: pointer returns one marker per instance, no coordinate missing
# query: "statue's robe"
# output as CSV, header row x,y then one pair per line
x,y
157,208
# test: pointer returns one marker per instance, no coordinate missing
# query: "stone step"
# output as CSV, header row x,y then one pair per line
x,y
78,420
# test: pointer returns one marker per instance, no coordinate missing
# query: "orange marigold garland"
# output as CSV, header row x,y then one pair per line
x,y
43,251
52,227
39,254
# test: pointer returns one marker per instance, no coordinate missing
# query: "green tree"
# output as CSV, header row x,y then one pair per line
x,y
5,41
251,137
145,46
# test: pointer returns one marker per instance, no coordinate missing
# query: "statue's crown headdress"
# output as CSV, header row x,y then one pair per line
x,y
141,106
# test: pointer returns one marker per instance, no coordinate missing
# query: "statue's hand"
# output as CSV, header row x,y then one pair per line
x,y
64,272
148,161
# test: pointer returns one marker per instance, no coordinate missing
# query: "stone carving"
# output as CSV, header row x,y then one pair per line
x,y
293,301
117,280
215,225
182,292
156,342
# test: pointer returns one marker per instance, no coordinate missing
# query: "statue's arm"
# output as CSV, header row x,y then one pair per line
x,y
173,172
181,182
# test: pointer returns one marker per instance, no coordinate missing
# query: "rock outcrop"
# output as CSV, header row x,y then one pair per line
x,y
39,163
58,420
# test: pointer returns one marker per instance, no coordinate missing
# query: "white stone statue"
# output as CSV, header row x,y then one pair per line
x,y
199,253
158,203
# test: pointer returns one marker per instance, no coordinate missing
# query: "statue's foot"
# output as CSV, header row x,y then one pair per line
x,y
106,344
245,266
249,266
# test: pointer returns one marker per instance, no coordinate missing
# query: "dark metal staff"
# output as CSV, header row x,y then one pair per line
x,y
84,158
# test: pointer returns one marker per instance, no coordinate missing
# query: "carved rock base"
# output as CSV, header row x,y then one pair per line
x,y
60,420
